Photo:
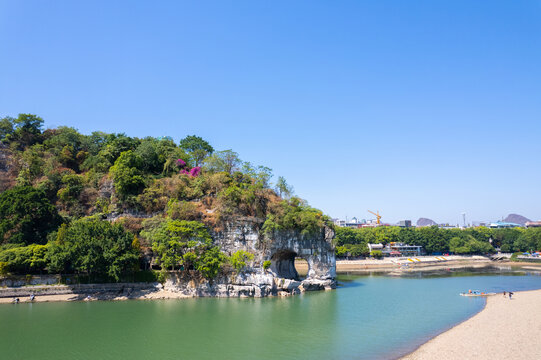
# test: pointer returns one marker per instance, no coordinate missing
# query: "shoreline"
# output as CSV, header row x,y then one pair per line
x,y
503,329
154,291
156,295
370,266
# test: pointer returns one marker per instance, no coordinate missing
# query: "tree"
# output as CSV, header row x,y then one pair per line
x,y
115,145
172,239
294,214
283,189
210,262
24,259
94,247
198,148
27,130
26,216
127,175
6,127
239,258
223,161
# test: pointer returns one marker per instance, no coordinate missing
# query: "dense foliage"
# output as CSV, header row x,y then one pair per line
x,y
26,216
99,204
352,242
92,246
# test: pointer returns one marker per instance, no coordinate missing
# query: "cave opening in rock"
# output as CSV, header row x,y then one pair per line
x,y
284,265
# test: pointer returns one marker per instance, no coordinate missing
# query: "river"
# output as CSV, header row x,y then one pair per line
x,y
367,317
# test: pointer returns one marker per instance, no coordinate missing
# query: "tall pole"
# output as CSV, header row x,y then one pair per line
x,y
464,218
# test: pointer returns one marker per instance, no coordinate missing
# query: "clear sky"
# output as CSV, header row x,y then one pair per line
x,y
413,108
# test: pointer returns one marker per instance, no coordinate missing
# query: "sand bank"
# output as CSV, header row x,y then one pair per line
x,y
161,294
504,329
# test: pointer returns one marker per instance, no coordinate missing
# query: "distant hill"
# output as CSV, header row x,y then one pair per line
x,y
517,219
425,222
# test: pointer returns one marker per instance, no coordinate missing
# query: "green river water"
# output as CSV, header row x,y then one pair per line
x,y
367,317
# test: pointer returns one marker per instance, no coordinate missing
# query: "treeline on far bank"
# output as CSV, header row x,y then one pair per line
x,y
480,240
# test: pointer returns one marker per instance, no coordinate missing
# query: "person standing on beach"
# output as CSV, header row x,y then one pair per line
x,y
510,294
504,294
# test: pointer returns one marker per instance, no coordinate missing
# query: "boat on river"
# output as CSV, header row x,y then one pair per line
x,y
477,293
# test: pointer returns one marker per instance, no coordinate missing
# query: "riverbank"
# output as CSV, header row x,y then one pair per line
x,y
405,263
421,263
504,329
159,294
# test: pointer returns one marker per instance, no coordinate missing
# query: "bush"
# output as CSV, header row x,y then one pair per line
x,y
377,254
266,264
24,259
26,216
93,247
162,276
294,214
3,268
239,258
182,210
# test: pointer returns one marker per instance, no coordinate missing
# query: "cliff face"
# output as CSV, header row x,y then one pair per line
x,y
281,248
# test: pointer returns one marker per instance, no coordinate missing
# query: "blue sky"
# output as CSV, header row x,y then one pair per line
x,y
413,108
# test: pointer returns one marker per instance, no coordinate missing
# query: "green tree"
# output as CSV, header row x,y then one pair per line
x,y
198,148
94,247
27,130
239,258
6,127
24,259
210,263
223,161
172,239
294,214
127,176
26,216
283,189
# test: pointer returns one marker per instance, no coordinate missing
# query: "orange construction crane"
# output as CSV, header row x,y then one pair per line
x,y
378,216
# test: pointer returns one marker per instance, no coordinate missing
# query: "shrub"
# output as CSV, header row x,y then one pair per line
x,y
377,254
3,268
182,210
266,264
162,276
239,258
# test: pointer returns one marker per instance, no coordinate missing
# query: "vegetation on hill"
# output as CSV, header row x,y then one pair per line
x,y
98,204
353,242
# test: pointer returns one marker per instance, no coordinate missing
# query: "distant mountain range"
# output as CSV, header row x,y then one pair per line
x,y
425,222
517,219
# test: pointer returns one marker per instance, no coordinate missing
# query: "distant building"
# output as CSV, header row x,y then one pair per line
x,y
353,223
404,223
503,225
448,226
374,247
530,224
397,249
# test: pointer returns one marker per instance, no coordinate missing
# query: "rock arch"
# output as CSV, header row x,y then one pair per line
x,y
283,264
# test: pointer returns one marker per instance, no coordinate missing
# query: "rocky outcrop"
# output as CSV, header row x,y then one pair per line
x,y
281,248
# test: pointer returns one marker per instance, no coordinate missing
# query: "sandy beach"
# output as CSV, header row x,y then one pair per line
x,y
504,329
